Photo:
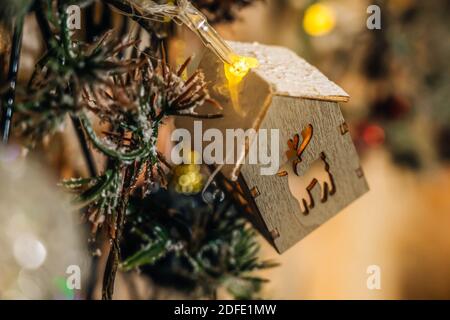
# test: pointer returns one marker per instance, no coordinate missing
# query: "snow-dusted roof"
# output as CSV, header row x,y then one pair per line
x,y
288,74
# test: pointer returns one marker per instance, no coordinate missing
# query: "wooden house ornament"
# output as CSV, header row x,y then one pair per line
x,y
319,172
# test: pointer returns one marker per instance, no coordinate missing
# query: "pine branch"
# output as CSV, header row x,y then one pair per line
x,y
7,107
133,97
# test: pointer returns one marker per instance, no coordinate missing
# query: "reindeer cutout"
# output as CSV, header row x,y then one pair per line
x,y
287,94
307,183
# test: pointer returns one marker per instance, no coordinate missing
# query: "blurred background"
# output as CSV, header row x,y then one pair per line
x,y
399,113
399,116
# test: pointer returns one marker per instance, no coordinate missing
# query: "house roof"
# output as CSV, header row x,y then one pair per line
x,y
288,74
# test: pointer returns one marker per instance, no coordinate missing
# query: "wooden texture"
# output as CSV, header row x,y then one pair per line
x,y
288,94
279,208
280,73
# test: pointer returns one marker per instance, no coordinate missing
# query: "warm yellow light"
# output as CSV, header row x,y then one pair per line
x,y
235,72
188,178
239,68
319,20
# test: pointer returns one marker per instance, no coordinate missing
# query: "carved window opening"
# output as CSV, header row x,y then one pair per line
x,y
311,185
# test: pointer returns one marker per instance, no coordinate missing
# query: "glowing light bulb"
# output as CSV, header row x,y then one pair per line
x,y
238,69
319,20
235,72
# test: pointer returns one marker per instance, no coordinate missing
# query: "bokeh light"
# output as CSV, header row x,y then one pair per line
x,y
188,177
319,20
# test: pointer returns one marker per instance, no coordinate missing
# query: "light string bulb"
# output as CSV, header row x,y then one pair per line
x,y
236,66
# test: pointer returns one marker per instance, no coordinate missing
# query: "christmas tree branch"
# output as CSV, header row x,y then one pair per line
x,y
132,97
7,107
114,258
